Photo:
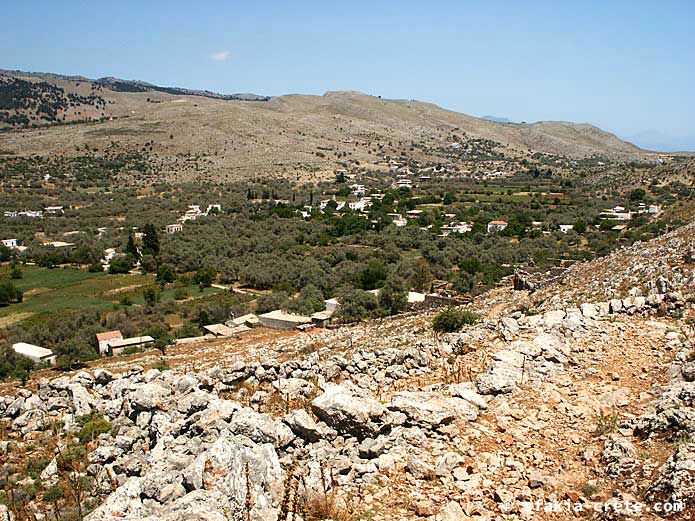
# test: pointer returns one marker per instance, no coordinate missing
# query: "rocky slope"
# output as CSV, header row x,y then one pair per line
x,y
525,415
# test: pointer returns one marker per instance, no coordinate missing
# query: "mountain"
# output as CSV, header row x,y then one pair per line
x,y
245,134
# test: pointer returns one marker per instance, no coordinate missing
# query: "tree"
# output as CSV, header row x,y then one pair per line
x,y
463,281
148,263
5,253
120,265
150,240
165,274
271,302
355,304
15,272
393,297
9,294
422,276
151,296
310,300
72,354
13,364
638,194
373,274
453,319
131,249
205,277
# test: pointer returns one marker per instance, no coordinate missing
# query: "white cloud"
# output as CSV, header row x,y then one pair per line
x,y
220,56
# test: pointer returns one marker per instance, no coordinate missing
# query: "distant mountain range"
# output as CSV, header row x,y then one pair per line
x,y
655,140
497,119
250,135
121,85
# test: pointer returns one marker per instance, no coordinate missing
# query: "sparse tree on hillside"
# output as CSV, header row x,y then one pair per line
x,y
150,240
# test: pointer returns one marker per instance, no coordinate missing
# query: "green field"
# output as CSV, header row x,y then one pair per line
x,y
59,289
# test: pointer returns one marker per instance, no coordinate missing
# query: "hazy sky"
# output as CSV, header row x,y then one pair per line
x,y
626,66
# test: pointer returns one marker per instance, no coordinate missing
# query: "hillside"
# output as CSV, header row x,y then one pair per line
x,y
525,415
237,135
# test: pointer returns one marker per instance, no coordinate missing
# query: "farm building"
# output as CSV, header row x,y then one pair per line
x,y
249,320
104,338
10,243
415,298
118,345
331,304
279,319
38,354
219,330
322,318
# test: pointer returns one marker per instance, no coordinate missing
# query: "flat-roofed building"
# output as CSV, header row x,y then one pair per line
x,y
248,320
118,345
219,330
279,319
40,355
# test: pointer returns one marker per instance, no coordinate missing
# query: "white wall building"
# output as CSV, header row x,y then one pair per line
x,y
40,355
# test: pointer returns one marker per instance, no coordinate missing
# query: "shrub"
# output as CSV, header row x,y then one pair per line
x,y
181,294
93,425
453,319
131,350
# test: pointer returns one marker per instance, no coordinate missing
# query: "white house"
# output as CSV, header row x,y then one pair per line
x,y
361,205
457,227
564,228
616,214
331,304
358,189
496,226
104,338
173,228
38,354
216,207
54,209
10,243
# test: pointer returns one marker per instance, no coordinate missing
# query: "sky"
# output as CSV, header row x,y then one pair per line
x,y
625,66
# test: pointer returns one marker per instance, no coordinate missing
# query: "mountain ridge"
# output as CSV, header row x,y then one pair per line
x,y
292,134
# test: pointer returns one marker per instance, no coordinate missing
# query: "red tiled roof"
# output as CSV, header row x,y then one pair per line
x,y
109,335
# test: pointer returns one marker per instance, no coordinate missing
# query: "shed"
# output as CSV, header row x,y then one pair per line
x,y
248,320
119,344
219,330
279,319
322,318
331,304
414,297
38,354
